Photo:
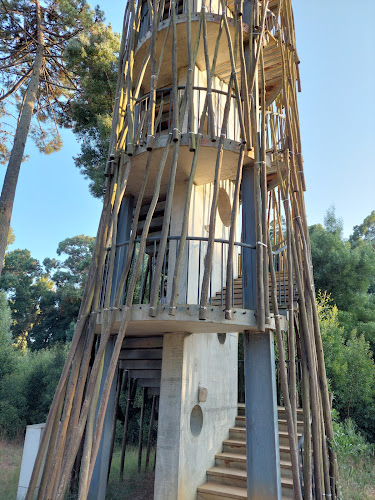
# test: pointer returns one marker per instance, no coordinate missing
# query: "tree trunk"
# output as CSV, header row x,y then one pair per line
x,y
11,177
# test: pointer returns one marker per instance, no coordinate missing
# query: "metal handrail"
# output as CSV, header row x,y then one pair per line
x,y
188,238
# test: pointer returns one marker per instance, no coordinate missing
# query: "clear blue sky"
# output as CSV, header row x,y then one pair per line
x,y
336,47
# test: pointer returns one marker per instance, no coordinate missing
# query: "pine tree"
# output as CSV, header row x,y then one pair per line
x,y
35,84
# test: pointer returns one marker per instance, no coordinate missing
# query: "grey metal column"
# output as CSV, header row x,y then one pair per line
x,y
262,434
98,483
123,234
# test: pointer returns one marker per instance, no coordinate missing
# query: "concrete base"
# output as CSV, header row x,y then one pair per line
x,y
193,422
30,449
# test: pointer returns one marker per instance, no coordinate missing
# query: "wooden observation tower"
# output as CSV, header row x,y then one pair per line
x,y
203,235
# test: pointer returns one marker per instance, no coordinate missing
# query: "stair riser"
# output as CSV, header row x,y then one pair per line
x,y
240,422
234,464
235,449
282,416
287,492
239,435
283,440
242,483
286,472
241,412
285,455
229,481
213,496
283,426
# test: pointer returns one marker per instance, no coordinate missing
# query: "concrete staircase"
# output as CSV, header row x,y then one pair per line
x,y
227,479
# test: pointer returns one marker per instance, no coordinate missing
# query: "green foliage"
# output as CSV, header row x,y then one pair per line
x,y
7,354
365,232
59,309
26,392
339,268
93,56
350,368
61,20
348,440
26,286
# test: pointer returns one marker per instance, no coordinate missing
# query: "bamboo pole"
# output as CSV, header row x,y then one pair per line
x,y
151,113
263,187
215,196
181,247
190,78
313,382
131,394
83,483
211,117
234,79
284,381
176,117
124,323
245,90
149,439
141,423
232,233
120,382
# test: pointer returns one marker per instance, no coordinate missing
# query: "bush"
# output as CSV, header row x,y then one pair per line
x,y
27,390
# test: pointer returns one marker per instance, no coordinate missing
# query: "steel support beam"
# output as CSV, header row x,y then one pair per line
x,y
98,483
262,434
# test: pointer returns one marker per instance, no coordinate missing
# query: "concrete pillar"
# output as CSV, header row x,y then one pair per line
x,y
191,431
98,483
30,449
167,457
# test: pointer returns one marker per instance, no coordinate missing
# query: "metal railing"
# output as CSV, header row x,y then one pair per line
x,y
192,270
164,114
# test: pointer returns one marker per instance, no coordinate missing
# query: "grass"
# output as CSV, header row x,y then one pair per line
x,y
356,469
357,478
10,464
356,461
136,486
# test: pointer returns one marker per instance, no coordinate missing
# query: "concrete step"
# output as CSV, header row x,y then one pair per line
x,y
229,459
238,478
213,490
234,446
237,433
238,461
228,476
284,437
283,426
280,411
216,491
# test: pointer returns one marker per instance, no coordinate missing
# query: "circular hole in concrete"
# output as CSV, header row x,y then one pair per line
x,y
222,337
196,420
224,207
